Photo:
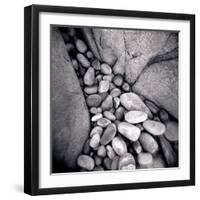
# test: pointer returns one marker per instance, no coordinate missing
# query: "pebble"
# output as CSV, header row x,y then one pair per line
x,y
115,92
83,60
96,130
108,77
145,160
129,131
108,134
89,77
101,152
171,132
109,115
168,152
93,100
96,117
89,54
119,145
126,87
118,80
103,122
148,143
119,113
85,162
158,162
163,115
75,64
91,89
153,108
126,162
132,101
103,86
103,95
116,102
98,160
106,69
93,110
99,110
96,64
110,152
107,103
107,163
111,86
81,46
114,164
137,147
94,141
135,117
86,147
154,127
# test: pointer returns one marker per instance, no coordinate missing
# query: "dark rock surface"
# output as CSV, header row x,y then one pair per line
x,y
69,114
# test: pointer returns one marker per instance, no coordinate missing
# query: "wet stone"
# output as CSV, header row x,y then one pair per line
x,y
154,127
89,77
93,100
103,122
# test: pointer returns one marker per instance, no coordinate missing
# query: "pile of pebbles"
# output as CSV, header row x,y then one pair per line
x,y
128,132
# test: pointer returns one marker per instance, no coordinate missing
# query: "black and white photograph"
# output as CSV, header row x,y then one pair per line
x,y
109,100
114,99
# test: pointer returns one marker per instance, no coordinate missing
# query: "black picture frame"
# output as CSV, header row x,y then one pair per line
x,y
31,98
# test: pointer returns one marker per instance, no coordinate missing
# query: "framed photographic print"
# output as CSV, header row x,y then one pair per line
x,y
109,100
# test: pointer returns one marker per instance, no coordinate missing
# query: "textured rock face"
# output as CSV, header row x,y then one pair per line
x,y
131,50
69,114
159,83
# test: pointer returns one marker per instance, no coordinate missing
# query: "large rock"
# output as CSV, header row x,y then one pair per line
x,y
69,114
132,50
159,83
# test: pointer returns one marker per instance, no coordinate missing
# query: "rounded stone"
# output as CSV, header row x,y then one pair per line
x,y
129,131
145,160
103,122
135,117
107,163
96,130
114,164
118,80
116,102
119,113
132,101
94,141
89,54
85,162
126,162
91,89
148,143
108,77
171,132
106,69
89,77
101,151
103,86
154,127
119,146
126,87
81,46
83,60
115,92
108,134
107,103
98,160
93,100
110,152
164,116
96,117
109,115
